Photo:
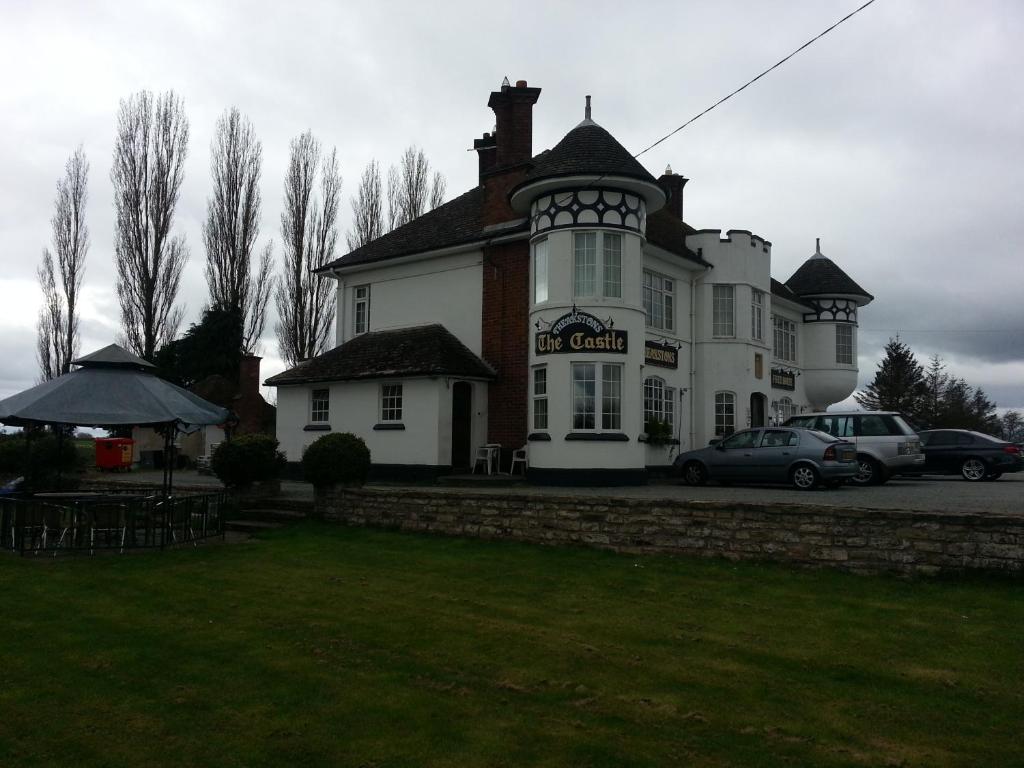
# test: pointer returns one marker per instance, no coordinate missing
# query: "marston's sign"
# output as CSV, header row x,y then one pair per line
x,y
578,331
661,355
782,379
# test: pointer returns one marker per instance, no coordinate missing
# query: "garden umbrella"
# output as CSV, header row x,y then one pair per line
x,y
112,387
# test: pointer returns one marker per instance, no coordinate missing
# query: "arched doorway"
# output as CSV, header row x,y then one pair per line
x,y
757,409
462,424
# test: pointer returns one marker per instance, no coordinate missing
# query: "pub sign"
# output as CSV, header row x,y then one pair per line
x,y
783,379
661,355
578,331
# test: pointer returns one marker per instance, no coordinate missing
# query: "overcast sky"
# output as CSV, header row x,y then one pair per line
x,y
898,138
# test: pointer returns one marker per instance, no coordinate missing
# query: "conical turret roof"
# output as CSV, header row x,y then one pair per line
x,y
820,276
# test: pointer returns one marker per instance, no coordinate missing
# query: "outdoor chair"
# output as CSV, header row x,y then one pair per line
x,y
52,518
518,457
179,520
488,454
108,521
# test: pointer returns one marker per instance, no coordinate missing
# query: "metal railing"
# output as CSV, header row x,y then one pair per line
x,y
58,523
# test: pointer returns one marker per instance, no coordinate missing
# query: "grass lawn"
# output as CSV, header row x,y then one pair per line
x,y
319,646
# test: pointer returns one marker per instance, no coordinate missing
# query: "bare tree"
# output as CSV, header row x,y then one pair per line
x,y
437,190
58,333
233,224
367,209
410,190
148,167
309,228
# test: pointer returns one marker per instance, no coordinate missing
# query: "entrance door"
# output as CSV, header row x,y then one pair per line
x,y
757,402
462,424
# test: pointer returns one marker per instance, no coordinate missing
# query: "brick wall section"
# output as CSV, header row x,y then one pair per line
x,y
868,541
505,317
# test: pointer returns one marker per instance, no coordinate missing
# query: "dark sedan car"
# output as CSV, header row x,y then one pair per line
x,y
973,455
803,457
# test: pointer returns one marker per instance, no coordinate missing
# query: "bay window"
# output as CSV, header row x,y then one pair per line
x,y
844,344
784,342
593,385
597,272
659,301
723,322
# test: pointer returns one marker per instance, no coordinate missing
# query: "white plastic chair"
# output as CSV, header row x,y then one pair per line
x,y
518,457
483,453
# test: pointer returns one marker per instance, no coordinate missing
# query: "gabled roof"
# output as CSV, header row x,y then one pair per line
x,y
588,149
456,222
820,276
783,292
426,350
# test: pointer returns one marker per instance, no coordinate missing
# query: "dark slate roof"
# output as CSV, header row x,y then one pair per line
x,y
667,231
426,350
112,356
456,222
780,290
588,149
820,275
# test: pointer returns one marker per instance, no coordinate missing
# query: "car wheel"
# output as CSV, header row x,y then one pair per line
x,y
973,469
695,474
868,472
993,476
804,477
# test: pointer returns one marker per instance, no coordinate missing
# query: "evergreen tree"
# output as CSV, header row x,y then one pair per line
x,y
898,384
213,345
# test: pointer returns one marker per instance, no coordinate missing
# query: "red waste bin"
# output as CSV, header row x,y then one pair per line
x,y
114,453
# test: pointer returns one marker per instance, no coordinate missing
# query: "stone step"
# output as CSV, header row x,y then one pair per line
x,y
481,481
274,514
251,526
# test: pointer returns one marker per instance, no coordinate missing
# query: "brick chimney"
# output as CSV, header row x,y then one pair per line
x,y
513,109
672,185
249,375
487,152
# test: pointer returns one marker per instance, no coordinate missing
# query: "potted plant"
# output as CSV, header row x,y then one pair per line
x,y
658,432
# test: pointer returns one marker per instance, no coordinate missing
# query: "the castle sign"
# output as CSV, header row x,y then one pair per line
x,y
578,331
661,355
783,379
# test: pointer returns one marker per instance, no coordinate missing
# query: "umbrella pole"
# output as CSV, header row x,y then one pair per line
x,y
60,455
164,487
172,432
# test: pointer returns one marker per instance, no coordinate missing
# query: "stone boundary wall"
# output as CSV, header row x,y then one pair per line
x,y
861,540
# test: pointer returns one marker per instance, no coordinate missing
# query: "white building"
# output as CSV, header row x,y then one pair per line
x,y
563,304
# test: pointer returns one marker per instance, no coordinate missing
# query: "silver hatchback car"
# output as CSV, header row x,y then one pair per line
x,y
803,457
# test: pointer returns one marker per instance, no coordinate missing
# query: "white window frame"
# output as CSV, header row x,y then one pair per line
x,y
785,408
540,397
757,315
360,300
540,271
844,345
784,339
659,402
723,311
321,414
605,397
659,298
603,277
725,413
391,403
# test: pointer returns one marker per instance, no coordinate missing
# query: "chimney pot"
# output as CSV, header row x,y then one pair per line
x,y
520,83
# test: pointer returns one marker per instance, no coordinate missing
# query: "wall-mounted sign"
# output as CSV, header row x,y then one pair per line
x,y
578,331
661,355
783,379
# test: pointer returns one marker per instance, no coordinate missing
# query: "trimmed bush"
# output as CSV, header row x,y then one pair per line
x,y
244,460
336,458
40,464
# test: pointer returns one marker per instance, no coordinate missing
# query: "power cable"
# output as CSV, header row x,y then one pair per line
x,y
777,64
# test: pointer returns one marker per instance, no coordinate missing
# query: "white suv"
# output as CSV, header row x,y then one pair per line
x,y
886,445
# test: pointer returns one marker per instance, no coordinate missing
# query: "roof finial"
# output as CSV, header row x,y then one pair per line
x,y
817,248
586,114
668,169
505,83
